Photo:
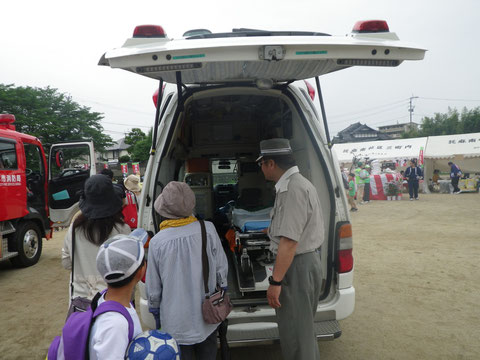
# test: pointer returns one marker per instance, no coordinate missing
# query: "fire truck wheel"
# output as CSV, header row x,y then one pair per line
x,y
28,241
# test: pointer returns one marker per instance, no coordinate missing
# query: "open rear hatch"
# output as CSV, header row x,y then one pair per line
x,y
249,55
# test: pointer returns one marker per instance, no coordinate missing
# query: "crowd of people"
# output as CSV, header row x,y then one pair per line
x,y
106,261
356,181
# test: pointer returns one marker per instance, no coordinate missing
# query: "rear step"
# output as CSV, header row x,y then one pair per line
x,y
239,334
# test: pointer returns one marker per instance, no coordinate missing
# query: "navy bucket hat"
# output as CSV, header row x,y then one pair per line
x,y
99,199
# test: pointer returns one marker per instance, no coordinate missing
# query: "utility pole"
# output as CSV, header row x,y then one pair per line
x,y
410,109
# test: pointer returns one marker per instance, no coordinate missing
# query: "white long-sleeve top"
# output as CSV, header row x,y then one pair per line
x,y
87,280
174,280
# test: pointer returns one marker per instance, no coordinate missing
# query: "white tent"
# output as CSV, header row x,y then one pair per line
x,y
385,150
461,149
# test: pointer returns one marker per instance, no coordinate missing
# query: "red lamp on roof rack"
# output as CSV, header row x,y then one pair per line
x,y
6,121
370,26
149,31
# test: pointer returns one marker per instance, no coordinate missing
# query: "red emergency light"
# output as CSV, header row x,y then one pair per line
x,y
370,26
6,121
149,31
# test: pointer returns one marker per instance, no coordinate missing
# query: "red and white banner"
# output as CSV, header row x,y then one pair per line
x,y
124,167
420,157
377,184
136,168
105,165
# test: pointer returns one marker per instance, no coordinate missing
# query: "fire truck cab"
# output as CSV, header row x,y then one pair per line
x,y
36,197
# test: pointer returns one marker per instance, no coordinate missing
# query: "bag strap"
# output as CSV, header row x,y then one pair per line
x,y
206,269
73,261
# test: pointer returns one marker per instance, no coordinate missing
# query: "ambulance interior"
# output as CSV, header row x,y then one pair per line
x,y
213,148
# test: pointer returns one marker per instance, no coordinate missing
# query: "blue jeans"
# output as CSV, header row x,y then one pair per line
x,y
413,188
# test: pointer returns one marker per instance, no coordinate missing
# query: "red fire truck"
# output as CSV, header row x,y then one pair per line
x,y
36,197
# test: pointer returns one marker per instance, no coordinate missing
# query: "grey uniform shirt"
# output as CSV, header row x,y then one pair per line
x,y
297,213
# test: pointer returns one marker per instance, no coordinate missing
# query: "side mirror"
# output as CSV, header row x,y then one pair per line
x,y
59,158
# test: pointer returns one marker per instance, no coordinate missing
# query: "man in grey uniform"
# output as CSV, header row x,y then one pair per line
x,y
296,233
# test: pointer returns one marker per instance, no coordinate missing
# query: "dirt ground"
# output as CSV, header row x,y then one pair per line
x,y
416,279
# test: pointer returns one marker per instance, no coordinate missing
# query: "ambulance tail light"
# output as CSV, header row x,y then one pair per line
x,y
311,90
149,31
6,121
344,253
370,26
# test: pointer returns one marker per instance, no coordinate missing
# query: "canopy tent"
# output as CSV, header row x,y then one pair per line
x,y
461,149
392,150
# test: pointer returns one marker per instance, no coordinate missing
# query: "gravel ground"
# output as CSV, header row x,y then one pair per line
x,y
416,277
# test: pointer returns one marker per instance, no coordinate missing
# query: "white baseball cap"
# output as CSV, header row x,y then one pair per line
x,y
119,257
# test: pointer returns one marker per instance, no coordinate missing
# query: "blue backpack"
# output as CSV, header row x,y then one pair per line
x,y
73,344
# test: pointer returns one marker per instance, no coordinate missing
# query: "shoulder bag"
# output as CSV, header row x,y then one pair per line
x,y
78,304
217,306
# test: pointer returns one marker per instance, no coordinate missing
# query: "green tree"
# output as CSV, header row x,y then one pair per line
x,y
134,136
124,159
140,150
52,116
453,122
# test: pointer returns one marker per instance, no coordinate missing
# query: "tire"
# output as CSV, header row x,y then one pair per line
x,y
28,242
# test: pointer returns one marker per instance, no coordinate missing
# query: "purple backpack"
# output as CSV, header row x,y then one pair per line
x,y
73,344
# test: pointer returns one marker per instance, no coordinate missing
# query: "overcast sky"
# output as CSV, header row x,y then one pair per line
x,y
58,44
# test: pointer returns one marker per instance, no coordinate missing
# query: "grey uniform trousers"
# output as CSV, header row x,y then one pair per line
x,y
301,288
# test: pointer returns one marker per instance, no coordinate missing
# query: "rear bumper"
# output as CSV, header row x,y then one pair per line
x,y
257,325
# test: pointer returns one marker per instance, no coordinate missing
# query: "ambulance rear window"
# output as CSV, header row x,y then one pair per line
x,y
8,155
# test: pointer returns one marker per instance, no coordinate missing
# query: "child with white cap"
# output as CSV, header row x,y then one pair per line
x,y
121,262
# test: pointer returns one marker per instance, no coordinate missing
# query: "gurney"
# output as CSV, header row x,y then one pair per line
x,y
253,259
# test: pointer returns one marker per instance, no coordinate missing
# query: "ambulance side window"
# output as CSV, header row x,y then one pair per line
x,y
8,155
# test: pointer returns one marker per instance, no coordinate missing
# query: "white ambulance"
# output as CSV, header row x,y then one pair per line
x,y
225,93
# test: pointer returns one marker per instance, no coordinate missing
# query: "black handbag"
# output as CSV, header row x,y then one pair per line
x,y
79,303
217,306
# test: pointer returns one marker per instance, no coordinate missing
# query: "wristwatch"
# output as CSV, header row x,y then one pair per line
x,y
273,282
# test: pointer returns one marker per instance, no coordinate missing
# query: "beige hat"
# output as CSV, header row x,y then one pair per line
x,y
176,201
132,183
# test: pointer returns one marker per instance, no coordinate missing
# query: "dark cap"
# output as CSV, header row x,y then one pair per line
x,y
274,147
99,199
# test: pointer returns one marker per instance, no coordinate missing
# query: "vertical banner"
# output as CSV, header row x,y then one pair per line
x,y
124,167
105,165
136,168
420,157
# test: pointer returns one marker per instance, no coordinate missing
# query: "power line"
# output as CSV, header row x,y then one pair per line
x,y
117,107
370,114
370,109
385,121
440,99
116,123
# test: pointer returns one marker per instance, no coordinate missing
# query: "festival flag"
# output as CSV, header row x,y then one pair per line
x,y
105,165
124,167
136,168
420,158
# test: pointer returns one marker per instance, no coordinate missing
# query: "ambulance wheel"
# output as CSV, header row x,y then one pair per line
x,y
28,242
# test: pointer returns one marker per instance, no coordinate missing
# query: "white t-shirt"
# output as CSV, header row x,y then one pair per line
x,y
109,335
